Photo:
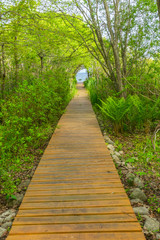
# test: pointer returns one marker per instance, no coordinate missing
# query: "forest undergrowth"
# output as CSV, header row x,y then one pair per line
x,y
130,123
28,119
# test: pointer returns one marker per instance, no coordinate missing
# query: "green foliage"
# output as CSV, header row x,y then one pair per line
x,y
115,110
141,155
38,54
154,202
140,220
131,113
118,145
97,91
130,160
90,84
28,119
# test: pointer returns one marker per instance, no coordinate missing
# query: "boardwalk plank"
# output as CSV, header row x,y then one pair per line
x,y
85,204
81,236
81,191
75,219
77,197
75,211
80,228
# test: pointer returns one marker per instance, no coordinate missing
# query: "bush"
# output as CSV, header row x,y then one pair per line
x,y
28,119
91,85
115,110
131,113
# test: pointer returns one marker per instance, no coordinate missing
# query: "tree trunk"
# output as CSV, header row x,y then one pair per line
x,y
103,50
3,73
41,58
114,44
124,60
1,70
15,61
158,5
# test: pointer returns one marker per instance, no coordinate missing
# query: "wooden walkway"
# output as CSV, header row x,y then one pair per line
x,y
76,193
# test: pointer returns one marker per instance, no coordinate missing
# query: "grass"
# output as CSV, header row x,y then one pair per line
x,y
139,153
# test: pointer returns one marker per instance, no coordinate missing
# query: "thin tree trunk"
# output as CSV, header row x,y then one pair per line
x,y
158,5
3,72
103,48
114,43
1,69
16,61
124,44
41,58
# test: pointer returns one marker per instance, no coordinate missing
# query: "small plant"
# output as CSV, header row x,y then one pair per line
x,y
140,220
154,203
115,110
120,173
127,190
141,173
118,145
130,160
139,217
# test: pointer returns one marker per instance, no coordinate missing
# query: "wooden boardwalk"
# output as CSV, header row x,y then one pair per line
x,y
76,193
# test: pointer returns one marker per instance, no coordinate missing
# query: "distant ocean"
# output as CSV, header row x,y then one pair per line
x,y
81,76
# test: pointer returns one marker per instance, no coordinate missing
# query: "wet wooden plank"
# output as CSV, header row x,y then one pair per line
x,y
75,204
75,211
75,177
80,228
77,197
81,236
75,182
112,218
80,191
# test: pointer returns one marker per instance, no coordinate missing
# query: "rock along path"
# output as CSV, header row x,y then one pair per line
x,y
76,193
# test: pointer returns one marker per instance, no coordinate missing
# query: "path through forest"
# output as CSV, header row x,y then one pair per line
x,y
76,192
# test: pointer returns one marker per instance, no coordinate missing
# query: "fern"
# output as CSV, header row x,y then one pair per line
x,y
135,115
115,110
130,113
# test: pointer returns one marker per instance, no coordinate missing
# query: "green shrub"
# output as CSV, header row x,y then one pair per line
x,y
131,113
91,85
115,110
28,119
135,117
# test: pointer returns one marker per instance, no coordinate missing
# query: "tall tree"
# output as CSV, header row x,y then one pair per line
x,y
116,29
34,41
158,5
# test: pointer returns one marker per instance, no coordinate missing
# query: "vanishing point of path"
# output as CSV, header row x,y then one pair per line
x,y
76,193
